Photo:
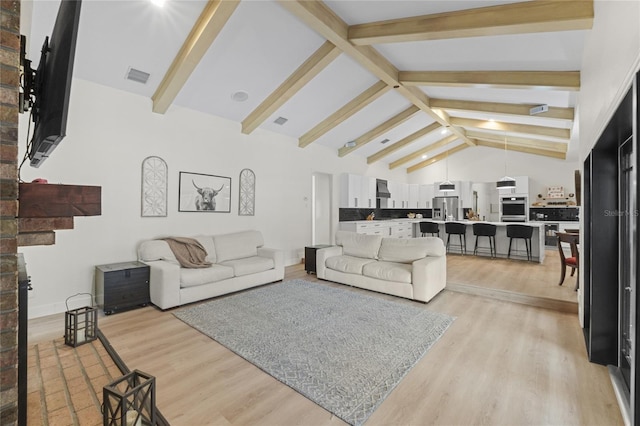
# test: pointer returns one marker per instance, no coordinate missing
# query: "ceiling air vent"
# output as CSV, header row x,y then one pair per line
x,y
280,120
137,75
383,141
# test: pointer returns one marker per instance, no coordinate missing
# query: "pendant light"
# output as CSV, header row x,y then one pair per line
x,y
447,185
506,182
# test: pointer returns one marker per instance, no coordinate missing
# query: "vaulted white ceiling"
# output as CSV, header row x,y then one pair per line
x,y
260,47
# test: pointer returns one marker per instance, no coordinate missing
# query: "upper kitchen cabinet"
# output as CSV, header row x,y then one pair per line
x,y
425,196
414,196
404,195
465,189
399,195
351,191
368,193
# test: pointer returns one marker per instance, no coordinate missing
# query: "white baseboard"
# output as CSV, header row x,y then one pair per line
x,y
58,307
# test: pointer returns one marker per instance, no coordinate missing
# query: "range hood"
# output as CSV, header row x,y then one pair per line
x,y
382,191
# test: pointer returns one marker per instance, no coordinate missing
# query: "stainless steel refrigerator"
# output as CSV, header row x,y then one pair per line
x,y
445,208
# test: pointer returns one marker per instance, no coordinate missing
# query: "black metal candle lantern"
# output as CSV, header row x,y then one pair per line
x,y
80,325
130,400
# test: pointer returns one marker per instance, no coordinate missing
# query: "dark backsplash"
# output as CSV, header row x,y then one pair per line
x,y
560,214
380,214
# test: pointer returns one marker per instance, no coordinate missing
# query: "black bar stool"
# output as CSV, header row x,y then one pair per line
x,y
459,229
523,232
485,230
427,227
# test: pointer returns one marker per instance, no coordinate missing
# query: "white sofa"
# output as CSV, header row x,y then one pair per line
x,y
238,261
413,268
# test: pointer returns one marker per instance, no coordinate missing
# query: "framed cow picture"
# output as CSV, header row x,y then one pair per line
x,y
204,193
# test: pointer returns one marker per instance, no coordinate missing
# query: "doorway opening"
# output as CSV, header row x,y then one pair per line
x,y
321,196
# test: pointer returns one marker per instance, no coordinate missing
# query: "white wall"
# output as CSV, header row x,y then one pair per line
x,y
611,58
110,133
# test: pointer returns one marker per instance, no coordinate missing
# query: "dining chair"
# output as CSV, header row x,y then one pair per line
x,y
571,240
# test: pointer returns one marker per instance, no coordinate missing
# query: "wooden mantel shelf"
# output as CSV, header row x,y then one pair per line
x,y
43,208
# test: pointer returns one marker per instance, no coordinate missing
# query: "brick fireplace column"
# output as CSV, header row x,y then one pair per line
x,y
9,83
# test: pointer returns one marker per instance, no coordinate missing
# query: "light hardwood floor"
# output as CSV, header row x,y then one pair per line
x,y
517,276
500,363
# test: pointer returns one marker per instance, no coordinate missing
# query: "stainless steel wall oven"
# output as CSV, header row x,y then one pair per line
x,y
514,209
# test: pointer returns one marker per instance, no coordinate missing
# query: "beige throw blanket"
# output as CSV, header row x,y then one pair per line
x,y
188,251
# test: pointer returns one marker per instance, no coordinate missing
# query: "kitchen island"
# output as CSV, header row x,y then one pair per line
x,y
410,228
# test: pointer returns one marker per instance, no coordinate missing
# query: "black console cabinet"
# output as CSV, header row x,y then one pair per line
x,y
310,257
122,286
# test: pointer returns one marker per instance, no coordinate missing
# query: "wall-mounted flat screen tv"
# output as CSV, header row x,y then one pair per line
x,y
51,87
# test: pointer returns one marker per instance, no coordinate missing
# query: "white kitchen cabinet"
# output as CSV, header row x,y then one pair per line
x,y
522,185
351,191
466,194
401,229
368,193
404,195
395,201
414,196
372,227
425,196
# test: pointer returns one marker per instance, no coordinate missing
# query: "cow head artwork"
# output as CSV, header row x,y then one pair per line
x,y
206,198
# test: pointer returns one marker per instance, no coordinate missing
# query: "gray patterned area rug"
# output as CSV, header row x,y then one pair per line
x,y
343,350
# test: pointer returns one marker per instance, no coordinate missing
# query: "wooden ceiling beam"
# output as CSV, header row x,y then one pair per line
x,y
317,16
549,80
296,81
353,106
213,18
436,158
379,130
419,153
513,140
403,142
525,149
515,18
501,108
512,127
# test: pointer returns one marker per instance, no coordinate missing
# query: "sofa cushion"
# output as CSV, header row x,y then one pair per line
x,y
249,265
347,264
193,277
153,250
237,245
388,271
207,243
359,245
411,249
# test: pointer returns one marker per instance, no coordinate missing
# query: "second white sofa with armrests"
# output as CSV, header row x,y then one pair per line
x,y
413,268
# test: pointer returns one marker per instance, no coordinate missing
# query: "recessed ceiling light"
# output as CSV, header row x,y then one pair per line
x,y
240,96
280,120
491,120
444,131
350,144
424,156
159,3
